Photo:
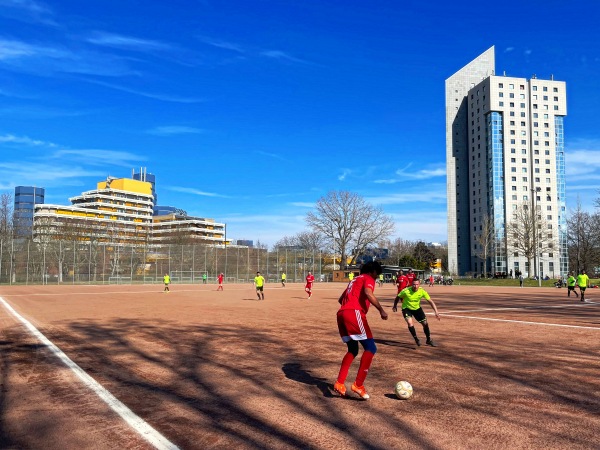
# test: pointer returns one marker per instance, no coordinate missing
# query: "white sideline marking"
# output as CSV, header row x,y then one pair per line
x,y
134,421
521,321
519,308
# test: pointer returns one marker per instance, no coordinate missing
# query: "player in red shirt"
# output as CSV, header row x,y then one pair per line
x,y
220,279
353,327
411,277
401,281
310,279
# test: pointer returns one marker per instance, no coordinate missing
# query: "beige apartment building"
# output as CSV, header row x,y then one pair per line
x,y
120,212
504,151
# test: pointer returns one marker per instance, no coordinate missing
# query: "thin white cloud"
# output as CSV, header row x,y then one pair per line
x,y
34,173
155,96
27,11
48,60
344,174
194,191
171,130
282,56
303,204
126,42
223,44
508,49
25,140
98,157
433,194
405,174
271,155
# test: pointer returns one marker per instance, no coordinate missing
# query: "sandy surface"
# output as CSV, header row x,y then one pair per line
x,y
514,368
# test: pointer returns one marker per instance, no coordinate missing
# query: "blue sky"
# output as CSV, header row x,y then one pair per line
x,y
249,111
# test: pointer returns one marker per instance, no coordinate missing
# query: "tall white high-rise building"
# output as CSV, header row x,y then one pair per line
x,y
504,152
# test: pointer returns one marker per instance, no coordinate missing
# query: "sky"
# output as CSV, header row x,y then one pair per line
x,y
250,111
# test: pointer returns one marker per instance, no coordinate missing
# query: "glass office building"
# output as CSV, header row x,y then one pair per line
x,y
26,197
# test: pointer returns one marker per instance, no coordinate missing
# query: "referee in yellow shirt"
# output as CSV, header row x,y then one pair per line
x,y
411,308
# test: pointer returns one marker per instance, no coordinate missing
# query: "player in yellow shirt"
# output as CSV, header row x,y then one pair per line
x,y
571,282
259,282
582,281
411,308
283,278
166,280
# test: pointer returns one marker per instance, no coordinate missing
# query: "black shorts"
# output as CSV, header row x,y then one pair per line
x,y
582,288
418,314
571,288
259,288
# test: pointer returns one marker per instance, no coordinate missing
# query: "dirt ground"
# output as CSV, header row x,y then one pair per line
x,y
514,368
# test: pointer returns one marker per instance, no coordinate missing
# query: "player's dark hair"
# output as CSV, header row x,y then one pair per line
x,y
372,266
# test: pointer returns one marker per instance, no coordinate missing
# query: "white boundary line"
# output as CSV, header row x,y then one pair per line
x,y
521,321
134,421
517,308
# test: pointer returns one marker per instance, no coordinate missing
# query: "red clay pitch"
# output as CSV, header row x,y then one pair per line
x,y
514,368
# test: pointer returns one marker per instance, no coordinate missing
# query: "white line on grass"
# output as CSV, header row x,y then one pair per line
x,y
133,420
521,321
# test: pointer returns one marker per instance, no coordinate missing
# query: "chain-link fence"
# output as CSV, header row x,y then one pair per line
x,y
64,262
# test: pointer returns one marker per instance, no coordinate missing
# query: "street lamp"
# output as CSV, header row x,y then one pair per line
x,y
536,261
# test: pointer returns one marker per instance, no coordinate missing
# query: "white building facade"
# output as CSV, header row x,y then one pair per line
x,y
505,149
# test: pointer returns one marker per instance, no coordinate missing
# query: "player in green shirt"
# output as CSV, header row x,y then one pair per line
x,y
571,285
166,280
411,308
259,282
283,278
582,281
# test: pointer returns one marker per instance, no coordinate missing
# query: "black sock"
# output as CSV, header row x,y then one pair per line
x,y
426,330
413,332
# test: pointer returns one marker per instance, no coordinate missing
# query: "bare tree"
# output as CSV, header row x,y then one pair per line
x,y
348,222
583,239
528,235
398,249
484,241
308,240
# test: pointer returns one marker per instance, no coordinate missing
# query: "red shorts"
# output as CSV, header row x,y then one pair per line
x,y
308,287
353,325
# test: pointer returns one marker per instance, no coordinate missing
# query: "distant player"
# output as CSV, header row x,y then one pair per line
x,y
310,279
411,277
167,281
411,308
220,280
431,280
354,328
259,283
283,279
401,281
351,276
380,279
204,278
582,281
571,282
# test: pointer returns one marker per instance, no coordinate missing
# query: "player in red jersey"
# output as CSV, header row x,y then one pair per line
x,y
353,327
401,281
220,279
411,277
310,279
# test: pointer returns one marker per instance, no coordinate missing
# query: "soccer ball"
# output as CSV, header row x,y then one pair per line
x,y
403,390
